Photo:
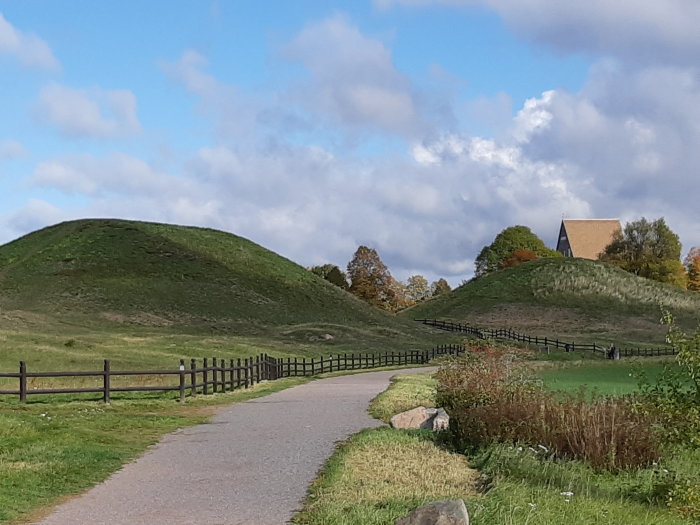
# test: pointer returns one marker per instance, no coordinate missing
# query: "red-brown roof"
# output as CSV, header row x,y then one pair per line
x,y
589,237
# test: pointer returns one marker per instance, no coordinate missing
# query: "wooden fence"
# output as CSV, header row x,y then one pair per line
x,y
545,342
220,375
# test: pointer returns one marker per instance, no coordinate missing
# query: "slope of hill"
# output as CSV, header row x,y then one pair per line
x,y
186,278
566,296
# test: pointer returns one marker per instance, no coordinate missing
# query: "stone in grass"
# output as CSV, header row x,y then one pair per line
x,y
421,417
450,512
441,421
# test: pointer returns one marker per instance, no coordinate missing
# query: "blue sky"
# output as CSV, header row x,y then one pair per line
x,y
419,127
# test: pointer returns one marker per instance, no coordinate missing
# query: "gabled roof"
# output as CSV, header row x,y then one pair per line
x,y
589,237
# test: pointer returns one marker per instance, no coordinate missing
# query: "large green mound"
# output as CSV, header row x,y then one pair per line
x,y
565,295
115,271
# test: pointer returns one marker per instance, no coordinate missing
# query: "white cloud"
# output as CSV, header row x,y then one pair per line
x,y
11,149
28,48
644,31
89,113
116,174
353,79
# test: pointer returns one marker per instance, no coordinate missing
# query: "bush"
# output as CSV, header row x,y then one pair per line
x,y
491,398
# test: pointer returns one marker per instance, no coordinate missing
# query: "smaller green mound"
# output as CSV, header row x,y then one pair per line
x,y
558,296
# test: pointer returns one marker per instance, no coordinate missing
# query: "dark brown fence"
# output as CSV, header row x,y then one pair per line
x,y
220,375
545,342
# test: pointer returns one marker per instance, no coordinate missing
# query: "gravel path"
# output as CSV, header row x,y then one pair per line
x,y
252,464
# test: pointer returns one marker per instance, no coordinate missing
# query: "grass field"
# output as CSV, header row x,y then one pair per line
x,y
606,378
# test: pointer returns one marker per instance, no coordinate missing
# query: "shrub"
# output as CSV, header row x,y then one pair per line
x,y
491,398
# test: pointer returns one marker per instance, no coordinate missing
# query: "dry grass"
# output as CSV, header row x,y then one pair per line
x,y
489,399
379,475
406,392
387,467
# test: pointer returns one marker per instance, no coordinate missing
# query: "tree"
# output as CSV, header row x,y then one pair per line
x,y
692,266
647,249
370,279
440,287
332,274
493,256
417,289
519,256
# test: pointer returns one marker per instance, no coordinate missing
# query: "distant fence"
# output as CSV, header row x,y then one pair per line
x,y
547,342
220,375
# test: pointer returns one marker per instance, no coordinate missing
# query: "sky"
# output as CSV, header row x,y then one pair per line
x,y
421,128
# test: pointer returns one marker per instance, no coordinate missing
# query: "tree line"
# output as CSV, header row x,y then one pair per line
x,y
645,248
368,278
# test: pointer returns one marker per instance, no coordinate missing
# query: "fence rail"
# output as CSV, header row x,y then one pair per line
x,y
546,342
220,375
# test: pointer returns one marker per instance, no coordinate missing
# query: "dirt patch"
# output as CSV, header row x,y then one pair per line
x,y
139,318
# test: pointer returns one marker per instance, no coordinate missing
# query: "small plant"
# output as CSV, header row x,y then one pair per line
x,y
674,398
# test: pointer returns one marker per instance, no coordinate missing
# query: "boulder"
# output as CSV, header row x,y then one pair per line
x,y
421,417
441,421
450,512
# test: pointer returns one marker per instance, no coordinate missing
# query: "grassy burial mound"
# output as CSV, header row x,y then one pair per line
x,y
114,274
566,297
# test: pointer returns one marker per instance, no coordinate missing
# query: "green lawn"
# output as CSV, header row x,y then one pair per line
x,y
607,377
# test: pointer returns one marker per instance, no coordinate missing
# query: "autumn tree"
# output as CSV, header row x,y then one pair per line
x,y
493,256
440,287
519,256
370,279
647,249
692,267
332,274
417,289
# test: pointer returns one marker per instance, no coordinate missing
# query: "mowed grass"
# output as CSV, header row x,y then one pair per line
x,y
605,378
50,450
518,484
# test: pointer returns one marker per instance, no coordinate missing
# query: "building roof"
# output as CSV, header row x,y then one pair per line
x,y
589,237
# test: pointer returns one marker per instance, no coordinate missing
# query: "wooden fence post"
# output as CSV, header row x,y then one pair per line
x,y
193,376
205,376
182,380
230,374
22,382
105,381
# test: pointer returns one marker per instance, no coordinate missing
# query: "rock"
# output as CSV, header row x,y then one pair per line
x,y
450,512
419,417
327,337
441,421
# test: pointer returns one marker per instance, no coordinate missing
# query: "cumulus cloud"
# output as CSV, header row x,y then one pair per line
x,y
353,79
28,48
11,149
94,113
235,112
638,31
114,174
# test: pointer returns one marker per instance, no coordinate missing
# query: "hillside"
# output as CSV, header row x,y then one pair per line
x,y
566,296
184,279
